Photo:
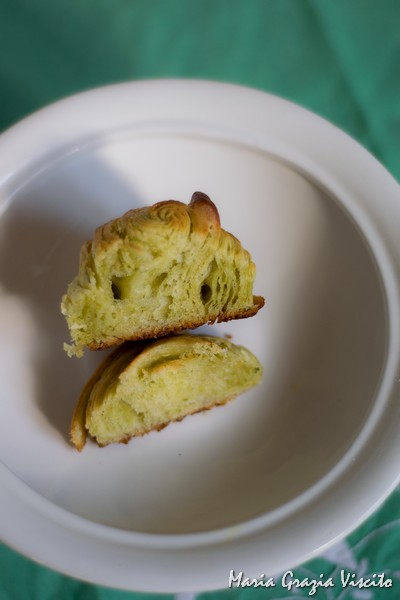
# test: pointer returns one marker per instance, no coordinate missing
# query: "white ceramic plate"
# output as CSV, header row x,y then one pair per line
x,y
275,476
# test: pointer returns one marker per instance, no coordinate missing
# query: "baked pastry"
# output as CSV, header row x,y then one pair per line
x,y
143,386
158,270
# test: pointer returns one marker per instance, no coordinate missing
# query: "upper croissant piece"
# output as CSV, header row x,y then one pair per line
x,y
158,270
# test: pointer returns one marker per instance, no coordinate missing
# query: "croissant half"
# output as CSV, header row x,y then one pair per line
x,y
143,386
158,270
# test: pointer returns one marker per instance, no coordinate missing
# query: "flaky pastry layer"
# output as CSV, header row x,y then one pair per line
x,y
155,271
144,386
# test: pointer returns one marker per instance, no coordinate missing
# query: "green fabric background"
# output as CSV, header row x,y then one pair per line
x,y
339,58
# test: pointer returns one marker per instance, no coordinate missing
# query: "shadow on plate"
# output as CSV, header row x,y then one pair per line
x,y
41,233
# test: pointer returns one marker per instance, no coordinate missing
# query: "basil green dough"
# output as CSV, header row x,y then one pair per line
x,y
158,270
143,386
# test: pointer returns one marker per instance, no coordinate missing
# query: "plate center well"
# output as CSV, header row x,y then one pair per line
x,y
324,307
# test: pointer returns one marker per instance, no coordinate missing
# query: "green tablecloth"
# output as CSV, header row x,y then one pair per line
x,y
339,58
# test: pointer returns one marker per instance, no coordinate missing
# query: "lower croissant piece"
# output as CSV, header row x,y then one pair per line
x,y
143,386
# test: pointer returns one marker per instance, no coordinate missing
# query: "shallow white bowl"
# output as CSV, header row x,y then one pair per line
x,y
272,478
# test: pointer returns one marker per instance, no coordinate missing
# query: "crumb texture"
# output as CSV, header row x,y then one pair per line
x,y
155,271
143,386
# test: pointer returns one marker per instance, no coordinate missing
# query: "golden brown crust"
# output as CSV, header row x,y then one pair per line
x,y
205,213
78,433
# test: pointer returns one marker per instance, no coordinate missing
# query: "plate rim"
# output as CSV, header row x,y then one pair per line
x,y
23,159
